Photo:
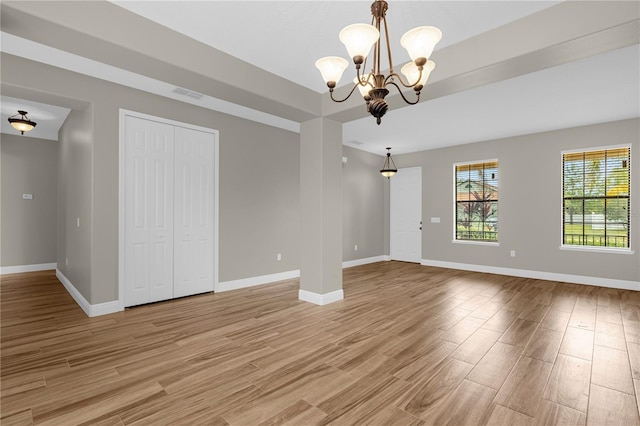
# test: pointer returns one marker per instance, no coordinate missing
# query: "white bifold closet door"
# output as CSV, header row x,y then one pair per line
x,y
149,163
169,217
193,213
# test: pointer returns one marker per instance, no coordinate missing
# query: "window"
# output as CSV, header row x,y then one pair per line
x,y
595,200
477,201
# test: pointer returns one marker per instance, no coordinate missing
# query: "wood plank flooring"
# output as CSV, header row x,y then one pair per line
x,y
409,345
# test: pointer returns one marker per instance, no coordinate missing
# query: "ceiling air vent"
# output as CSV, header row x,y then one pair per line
x,y
188,93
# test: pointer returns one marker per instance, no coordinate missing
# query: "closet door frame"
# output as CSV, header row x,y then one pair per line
x,y
121,194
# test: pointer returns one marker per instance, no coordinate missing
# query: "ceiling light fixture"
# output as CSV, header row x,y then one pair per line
x,y
22,124
359,38
389,167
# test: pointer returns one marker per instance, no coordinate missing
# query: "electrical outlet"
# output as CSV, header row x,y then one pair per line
x,y
279,256
78,222
355,248
66,261
513,253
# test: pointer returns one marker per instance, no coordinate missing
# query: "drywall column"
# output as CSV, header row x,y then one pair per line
x,y
320,211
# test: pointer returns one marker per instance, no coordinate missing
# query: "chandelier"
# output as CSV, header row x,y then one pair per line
x,y
22,123
359,39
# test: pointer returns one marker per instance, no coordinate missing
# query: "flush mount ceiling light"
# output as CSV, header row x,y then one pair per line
x,y
389,167
22,124
359,38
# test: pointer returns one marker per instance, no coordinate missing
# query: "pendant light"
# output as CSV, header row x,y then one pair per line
x,y
22,124
389,168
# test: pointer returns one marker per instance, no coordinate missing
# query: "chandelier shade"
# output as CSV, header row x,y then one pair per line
x,y
331,68
420,41
365,87
22,123
359,39
412,72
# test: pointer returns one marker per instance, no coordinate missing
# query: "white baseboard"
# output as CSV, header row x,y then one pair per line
x,y
27,268
524,273
364,261
89,309
288,275
104,308
320,299
259,280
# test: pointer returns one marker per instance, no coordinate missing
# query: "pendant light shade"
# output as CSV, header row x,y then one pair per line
x,y
21,124
389,167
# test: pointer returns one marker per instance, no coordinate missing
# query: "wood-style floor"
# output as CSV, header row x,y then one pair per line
x,y
409,345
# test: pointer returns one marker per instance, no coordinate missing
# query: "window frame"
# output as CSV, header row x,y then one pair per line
x,y
455,240
591,248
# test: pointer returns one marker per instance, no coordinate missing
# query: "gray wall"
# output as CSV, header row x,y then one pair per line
x,y
28,231
530,202
364,207
259,200
259,176
74,199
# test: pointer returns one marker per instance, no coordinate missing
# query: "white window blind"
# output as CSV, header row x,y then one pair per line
x,y
476,189
595,188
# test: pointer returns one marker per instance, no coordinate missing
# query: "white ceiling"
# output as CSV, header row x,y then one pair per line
x,y
48,118
597,89
592,90
287,37
293,34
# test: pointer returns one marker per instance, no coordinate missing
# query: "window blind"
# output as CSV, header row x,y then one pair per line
x,y
476,190
595,188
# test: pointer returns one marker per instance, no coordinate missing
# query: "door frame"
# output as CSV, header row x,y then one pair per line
x,y
391,219
123,113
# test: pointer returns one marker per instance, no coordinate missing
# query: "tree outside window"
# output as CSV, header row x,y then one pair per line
x,y
596,198
477,201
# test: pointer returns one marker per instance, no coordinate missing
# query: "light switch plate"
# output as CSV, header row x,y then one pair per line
x,y
27,196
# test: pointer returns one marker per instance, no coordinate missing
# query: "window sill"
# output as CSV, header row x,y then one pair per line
x,y
477,243
597,249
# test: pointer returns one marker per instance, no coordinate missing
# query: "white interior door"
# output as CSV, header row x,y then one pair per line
x,y
148,258
406,215
194,217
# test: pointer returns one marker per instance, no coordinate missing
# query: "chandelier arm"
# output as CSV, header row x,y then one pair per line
x,y
366,82
399,77
349,95
403,97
